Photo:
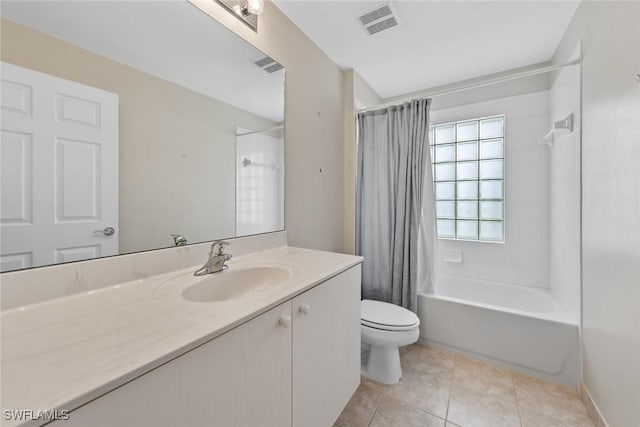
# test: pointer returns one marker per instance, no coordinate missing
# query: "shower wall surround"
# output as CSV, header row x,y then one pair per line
x,y
564,214
523,258
610,297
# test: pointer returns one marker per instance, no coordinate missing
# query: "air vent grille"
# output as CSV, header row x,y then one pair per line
x,y
273,68
378,18
264,62
382,25
375,15
268,64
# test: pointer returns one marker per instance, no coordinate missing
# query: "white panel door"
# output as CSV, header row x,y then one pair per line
x,y
326,349
59,170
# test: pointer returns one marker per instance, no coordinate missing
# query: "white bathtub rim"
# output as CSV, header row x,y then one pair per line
x,y
558,314
558,317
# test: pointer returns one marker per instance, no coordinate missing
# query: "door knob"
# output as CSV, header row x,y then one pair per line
x,y
285,321
305,309
108,231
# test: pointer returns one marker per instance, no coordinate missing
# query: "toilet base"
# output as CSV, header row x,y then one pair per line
x,y
383,365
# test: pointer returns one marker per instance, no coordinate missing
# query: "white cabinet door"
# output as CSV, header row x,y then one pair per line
x,y
326,349
59,170
242,378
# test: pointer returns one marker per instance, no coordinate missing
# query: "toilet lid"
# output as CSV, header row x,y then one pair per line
x,y
382,315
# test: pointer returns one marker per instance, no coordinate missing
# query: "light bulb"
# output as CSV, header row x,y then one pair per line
x,y
255,7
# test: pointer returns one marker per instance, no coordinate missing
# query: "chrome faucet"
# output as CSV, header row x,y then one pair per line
x,y
216,260
179,240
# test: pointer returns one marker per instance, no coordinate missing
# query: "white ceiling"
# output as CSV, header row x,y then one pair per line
x,y
437,42
172,40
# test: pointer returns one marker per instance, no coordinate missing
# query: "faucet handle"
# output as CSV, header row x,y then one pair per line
x,y
221,244
179,239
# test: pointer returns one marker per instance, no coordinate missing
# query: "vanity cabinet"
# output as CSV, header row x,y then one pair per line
x,y
295,365
326,349
241,378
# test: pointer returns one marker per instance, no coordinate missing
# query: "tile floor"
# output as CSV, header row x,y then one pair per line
x,y
441,389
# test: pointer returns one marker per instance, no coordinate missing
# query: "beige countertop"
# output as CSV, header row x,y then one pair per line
x,y
62,353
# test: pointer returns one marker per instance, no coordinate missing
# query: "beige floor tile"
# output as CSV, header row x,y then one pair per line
x,y
484,378
429,392
437,384
392,412
404,349
373,384
417,359
551,400
362,406
470,408
531,418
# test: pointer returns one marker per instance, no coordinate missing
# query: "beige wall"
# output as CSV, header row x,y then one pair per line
x,y
357,95
349,102
314,132
610,204
177,147
364,94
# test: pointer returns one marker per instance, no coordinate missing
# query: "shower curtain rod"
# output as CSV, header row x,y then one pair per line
x,y
463,87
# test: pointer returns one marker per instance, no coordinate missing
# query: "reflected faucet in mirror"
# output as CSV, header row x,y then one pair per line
x,y
216,261
179,240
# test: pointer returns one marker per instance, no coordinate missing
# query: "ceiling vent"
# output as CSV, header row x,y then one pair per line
x,y
268,64
377,19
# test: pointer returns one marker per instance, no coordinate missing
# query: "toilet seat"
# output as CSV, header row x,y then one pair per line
x,y
385,316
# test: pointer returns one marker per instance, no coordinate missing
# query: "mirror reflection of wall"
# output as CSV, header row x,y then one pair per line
x,y
167,166
259,181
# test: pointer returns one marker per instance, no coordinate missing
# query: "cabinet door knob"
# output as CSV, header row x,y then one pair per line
x,y
285,321
305,309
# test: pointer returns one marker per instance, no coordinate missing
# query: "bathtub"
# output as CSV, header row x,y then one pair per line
x,y
516,327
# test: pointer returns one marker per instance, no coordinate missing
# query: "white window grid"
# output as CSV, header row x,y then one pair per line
x,y
468,168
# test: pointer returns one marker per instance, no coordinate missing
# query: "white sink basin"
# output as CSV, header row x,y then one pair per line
x,y
236,283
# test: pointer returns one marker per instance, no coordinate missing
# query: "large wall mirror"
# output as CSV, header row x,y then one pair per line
x,y
131,126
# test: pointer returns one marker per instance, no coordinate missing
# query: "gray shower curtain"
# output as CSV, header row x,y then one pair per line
x,y
392,156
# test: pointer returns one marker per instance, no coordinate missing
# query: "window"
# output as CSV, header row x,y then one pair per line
x,y
468,175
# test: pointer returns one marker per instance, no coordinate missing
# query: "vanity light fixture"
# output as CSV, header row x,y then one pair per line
x,y
245,10
251,7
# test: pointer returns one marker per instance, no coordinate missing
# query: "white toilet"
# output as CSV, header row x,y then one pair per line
x,y
384,328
